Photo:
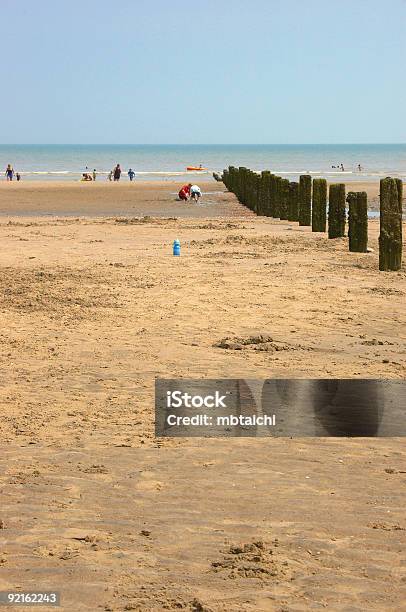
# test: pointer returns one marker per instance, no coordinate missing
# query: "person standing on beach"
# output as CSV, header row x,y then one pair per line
x,y
94,174
18,176
342,167
110,176
117,173
9,172
131,174
359,168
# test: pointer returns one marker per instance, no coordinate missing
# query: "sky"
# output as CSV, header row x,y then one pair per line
x,y
184,72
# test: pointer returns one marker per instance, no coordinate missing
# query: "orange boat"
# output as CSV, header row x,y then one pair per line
x,y
196,168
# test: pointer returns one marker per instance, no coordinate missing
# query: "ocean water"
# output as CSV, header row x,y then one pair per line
x,y
68,162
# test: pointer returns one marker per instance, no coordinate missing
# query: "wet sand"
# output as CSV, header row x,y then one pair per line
x,y
93,308
103,198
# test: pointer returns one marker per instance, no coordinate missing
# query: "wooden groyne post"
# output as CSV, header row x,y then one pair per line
x,y
257,192
242,196
305,199
357,221
257,196
265,193
252,191
336,210
390,235
272,195
277,197
319,205
229,178
293,204
248,189
226,179
284,198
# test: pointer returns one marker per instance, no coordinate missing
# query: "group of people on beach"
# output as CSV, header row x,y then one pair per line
x,y
113,175
190,192
341,167
187,192
10,174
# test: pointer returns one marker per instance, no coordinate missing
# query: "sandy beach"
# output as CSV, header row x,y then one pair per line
x,y
93,308
139,198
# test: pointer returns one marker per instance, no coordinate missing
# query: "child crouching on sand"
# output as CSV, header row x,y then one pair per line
x,y
184,193
195,193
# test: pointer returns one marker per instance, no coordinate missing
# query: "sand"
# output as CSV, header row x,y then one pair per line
x,y
103,198
93,308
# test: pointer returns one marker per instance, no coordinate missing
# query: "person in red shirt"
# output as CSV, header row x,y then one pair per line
x,y
184,193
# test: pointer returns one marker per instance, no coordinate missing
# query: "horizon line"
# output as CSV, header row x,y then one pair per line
x,y
201,144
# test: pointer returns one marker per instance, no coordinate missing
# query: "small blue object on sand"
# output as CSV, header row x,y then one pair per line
x,y
176,247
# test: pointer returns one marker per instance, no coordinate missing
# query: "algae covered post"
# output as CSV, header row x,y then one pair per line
x,y
284,198
293,206
242,196
390,236
336,210
242,184
277,197
305,199
272,195
357,221
258,186
233,178
319,205
253,191
226,178
265,192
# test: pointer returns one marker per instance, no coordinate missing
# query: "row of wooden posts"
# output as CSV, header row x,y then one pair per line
x,y
306,202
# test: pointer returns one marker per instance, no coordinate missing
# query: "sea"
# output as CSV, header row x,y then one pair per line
x,y
168,162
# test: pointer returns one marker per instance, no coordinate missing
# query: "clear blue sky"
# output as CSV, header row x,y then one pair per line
x,y
180,71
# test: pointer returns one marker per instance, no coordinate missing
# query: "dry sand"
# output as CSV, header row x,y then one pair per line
x,y
92,309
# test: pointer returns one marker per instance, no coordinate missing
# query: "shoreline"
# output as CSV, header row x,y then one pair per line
x,y
173,175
